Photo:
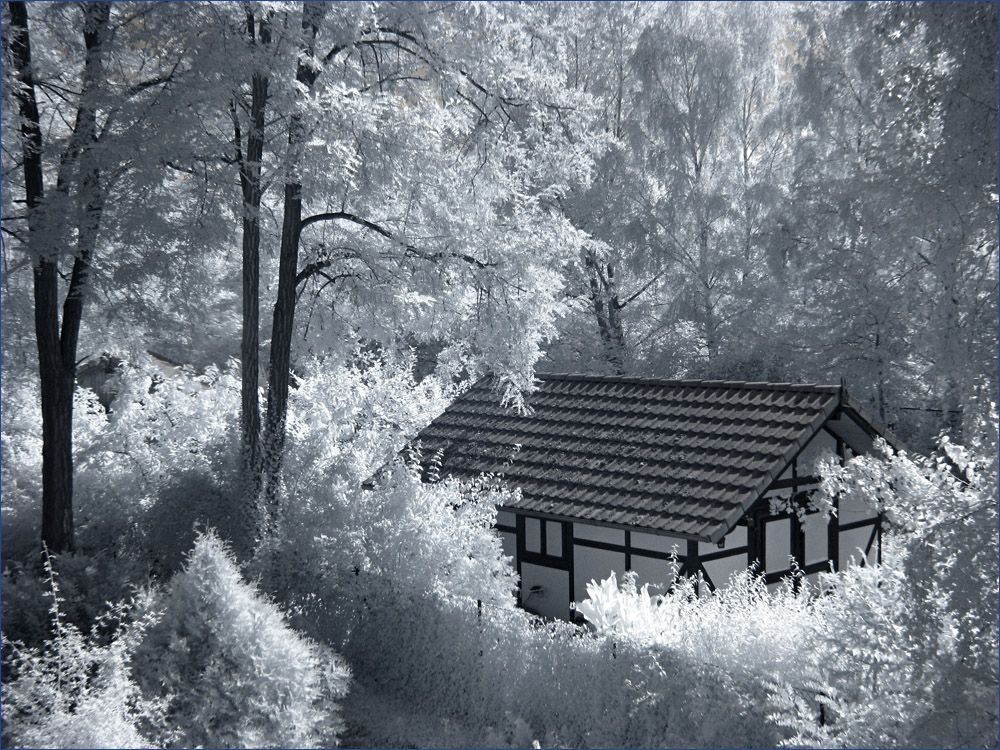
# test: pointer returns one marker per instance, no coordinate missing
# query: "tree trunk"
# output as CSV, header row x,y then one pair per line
x,y
710,326
252,191
57,348
880,374
607,311
57,458
615,328
281,346
284,305
954,348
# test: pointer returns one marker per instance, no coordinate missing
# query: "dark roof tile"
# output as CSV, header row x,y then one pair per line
x,y
674,456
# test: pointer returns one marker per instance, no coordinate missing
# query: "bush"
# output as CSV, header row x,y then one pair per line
x,y
144,475
76,691
229,669
931,649
87,582
422,600
159,463
741,628
861,681
481,676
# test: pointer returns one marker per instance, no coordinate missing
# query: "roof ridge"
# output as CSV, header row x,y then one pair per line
x,y
687,382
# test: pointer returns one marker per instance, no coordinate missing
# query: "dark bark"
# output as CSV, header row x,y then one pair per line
x,y
284,305
408,249
57,345
252,191
281,345
710,324
880,375
607,311
90,189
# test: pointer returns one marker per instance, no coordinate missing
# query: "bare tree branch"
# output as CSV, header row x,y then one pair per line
x,y
409,249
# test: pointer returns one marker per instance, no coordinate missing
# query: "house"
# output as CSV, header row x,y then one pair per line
x,y
103,375
640,474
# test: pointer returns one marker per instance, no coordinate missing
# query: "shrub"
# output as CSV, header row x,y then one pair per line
x,y
933,647
230,670
144,475
741,628
158,464
76,691
481,676
87,582
422,600
860,681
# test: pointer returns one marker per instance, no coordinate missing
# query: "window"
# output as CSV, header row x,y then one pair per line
x,y
542,537
778,535
533,535
553,538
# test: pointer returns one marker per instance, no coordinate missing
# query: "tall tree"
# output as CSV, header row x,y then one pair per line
x,y
89,99
306,72
249,159
893,205
682,208
79,171
404,157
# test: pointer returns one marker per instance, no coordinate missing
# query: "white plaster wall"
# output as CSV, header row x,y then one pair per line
x,y
778,539
853,508
873,552
593,564
720,571
506,518
813,580
659,574
598,534
735,538
822,445
659,543
553,599
851,541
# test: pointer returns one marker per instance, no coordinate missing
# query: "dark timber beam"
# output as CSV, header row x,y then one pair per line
x,y
833,528
694,563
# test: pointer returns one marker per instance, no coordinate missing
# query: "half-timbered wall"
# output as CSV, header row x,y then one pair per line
x,y
556,559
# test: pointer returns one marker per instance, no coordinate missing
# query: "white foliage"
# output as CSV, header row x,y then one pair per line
x,y
75,690
895,655
230,670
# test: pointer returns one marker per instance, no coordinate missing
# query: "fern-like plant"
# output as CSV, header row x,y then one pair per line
x,y
76,690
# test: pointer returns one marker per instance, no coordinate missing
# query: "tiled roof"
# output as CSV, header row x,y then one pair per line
x,y
682,457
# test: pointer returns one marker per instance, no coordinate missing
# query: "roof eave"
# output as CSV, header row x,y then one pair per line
x,y
609,524
869,422
776,471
